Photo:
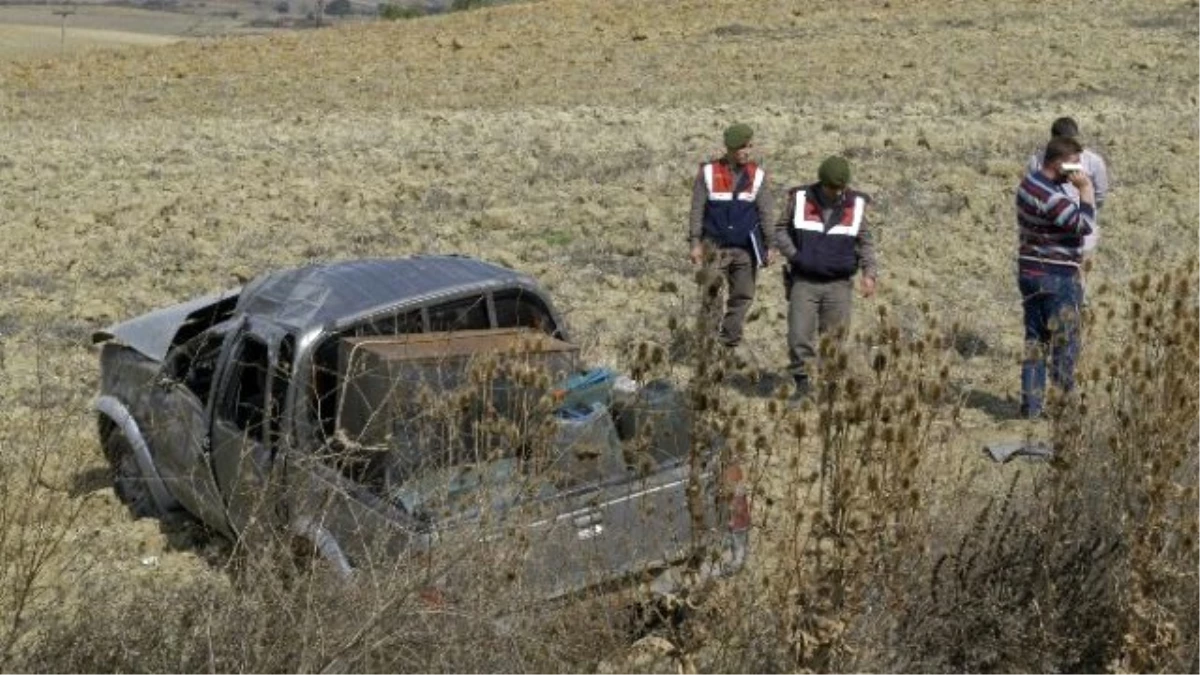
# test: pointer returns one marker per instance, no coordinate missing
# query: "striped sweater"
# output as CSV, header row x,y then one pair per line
x,y
1052,226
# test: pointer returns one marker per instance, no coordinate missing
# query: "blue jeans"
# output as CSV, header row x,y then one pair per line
x,y
1051,305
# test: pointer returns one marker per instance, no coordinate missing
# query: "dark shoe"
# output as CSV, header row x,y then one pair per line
x,y
803,388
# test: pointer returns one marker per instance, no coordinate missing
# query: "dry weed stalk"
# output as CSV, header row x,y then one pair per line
x,y
1149,394
274,606
36,516
850,534
714,422
1094,566
1088,563
836,482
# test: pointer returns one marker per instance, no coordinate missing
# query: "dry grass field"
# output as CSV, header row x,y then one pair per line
x,y
37,31
26,40
561,137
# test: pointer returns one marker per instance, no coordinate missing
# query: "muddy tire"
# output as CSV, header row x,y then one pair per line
x,y
128,481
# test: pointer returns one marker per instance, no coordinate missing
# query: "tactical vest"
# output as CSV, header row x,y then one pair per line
x,y
826,255
731,215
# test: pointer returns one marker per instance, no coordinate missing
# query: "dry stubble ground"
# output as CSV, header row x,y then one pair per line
x,y
561,137
41,31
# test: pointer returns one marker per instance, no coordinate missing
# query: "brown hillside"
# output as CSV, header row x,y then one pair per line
x,y
561,137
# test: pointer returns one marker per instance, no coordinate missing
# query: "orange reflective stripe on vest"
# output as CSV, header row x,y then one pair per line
x,y
718,179
808,217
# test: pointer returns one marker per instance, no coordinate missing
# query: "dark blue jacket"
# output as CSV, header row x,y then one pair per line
x,y
731,216
826,250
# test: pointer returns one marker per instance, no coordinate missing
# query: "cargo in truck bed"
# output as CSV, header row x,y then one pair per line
x,y
383,380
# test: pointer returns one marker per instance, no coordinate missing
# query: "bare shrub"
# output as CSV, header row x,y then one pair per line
x,y
1087,562
470,596
838,490
1026,588
1146,396
1096,568
265,619
37,518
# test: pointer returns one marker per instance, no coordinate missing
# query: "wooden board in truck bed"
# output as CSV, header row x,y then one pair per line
x,y
382,376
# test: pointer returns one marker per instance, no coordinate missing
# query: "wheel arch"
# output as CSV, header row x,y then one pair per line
x,y
114,417
323,542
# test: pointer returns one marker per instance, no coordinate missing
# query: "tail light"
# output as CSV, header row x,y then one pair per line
x,y
737,507
738,501
432,597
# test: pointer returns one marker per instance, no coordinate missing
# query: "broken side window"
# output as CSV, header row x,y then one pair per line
x,y
245,403
465,314
194,364
522,309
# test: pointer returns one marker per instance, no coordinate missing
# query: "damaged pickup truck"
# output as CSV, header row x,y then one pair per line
x,y
388,404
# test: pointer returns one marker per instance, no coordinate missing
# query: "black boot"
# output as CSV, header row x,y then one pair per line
x,y
803,388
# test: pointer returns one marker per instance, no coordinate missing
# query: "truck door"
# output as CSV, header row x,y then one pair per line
x,y
179,425
246,424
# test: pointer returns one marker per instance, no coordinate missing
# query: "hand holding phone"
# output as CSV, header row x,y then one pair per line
x,y
1079,179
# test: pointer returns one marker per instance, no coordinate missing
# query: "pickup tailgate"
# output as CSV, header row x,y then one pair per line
x,y
604,501
574,540
619,530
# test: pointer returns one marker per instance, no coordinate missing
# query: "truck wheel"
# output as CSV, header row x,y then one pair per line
x,y
128,481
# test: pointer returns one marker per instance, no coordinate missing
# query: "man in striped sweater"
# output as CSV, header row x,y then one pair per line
x,y
1052,230
1093,166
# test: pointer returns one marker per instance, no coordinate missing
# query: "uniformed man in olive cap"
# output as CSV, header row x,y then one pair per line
x,y
731,207
823,235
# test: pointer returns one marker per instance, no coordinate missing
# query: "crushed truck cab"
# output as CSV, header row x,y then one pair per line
x,y
397,404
